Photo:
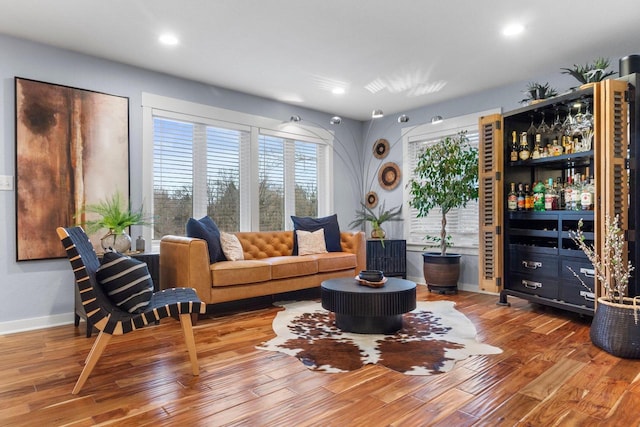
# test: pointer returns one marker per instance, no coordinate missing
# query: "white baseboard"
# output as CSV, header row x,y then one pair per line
x,y
31,324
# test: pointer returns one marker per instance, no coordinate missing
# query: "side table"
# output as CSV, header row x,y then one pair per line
x,y
390,258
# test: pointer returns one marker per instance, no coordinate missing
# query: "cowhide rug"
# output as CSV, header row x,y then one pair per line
x,y
434,336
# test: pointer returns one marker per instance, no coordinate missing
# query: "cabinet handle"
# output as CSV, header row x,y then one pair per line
x,y
588,272
533,265
531,285
589,296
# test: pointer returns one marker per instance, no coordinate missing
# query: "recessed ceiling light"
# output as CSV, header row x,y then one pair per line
x,y
338,91
513,29
168,39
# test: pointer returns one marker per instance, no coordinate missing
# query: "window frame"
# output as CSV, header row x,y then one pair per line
x,y
157,105
431,132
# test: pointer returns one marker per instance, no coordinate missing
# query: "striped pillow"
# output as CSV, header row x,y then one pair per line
x,y
126,281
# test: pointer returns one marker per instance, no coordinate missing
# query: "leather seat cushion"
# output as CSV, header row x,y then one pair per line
x,y
334,261
292,266
227,273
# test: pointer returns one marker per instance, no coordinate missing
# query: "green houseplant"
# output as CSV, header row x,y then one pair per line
x,y
367,215
445,177
590,73
538,91
116,218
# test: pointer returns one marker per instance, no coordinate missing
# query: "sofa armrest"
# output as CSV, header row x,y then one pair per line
x,y
184,262
355,242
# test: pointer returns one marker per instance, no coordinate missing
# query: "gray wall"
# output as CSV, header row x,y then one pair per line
x,y
40,293
36,293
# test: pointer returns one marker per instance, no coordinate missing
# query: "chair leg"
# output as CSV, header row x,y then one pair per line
x,y
187,329
96,351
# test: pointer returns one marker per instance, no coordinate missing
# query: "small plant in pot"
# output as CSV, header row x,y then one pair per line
x,y
615,326
445,177
116,219
367,215
590,73
538,91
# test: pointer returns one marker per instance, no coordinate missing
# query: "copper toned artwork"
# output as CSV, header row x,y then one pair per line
x,y
381,148
72,149
371,199
389,176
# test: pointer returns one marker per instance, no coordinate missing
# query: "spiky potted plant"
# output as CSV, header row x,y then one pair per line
x,y
445,177
590,73
536,92
368,215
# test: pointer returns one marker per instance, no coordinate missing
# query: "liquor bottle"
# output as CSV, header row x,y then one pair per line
x,y
538,197
512,198
514,146
556,149
568,192
576,193
536,148
528,198
560,191
586,196
520,198
524,152
550,197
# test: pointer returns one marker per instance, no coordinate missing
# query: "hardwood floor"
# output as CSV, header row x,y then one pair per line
x,y
549,374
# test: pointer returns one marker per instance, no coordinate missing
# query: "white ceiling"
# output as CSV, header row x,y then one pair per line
x,y
393,55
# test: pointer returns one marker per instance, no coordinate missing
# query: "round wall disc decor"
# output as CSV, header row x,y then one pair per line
x,y
389,176
371,199
381,148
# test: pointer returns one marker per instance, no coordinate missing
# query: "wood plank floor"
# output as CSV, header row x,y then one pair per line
x,y
549,374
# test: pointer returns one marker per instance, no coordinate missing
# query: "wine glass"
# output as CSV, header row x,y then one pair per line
x,y
532,128
568,123
543,128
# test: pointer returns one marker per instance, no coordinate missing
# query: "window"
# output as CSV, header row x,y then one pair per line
x,y
246,172
462,223
288,175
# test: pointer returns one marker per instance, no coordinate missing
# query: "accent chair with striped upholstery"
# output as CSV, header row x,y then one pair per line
x,y
108,318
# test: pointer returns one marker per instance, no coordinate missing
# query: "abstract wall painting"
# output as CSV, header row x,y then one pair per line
x,y
72,149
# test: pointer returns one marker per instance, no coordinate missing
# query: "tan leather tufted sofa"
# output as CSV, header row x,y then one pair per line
x,y
268,267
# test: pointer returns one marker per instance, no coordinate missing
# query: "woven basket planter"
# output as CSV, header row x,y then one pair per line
x,y
615,330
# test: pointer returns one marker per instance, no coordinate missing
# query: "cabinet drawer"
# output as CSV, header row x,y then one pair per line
x,y
534,284
571,289
584,269
534,263
576,294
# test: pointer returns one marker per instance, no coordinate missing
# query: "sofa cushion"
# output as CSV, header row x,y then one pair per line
x,y
328,223
311,242
206,229
230,273
126,281
231,247
335,261
283,267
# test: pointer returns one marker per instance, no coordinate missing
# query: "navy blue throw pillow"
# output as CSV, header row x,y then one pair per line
x,y
328,223
204,228
125,281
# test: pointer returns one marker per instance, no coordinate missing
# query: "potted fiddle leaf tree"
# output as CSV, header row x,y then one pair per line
x,y
446,178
